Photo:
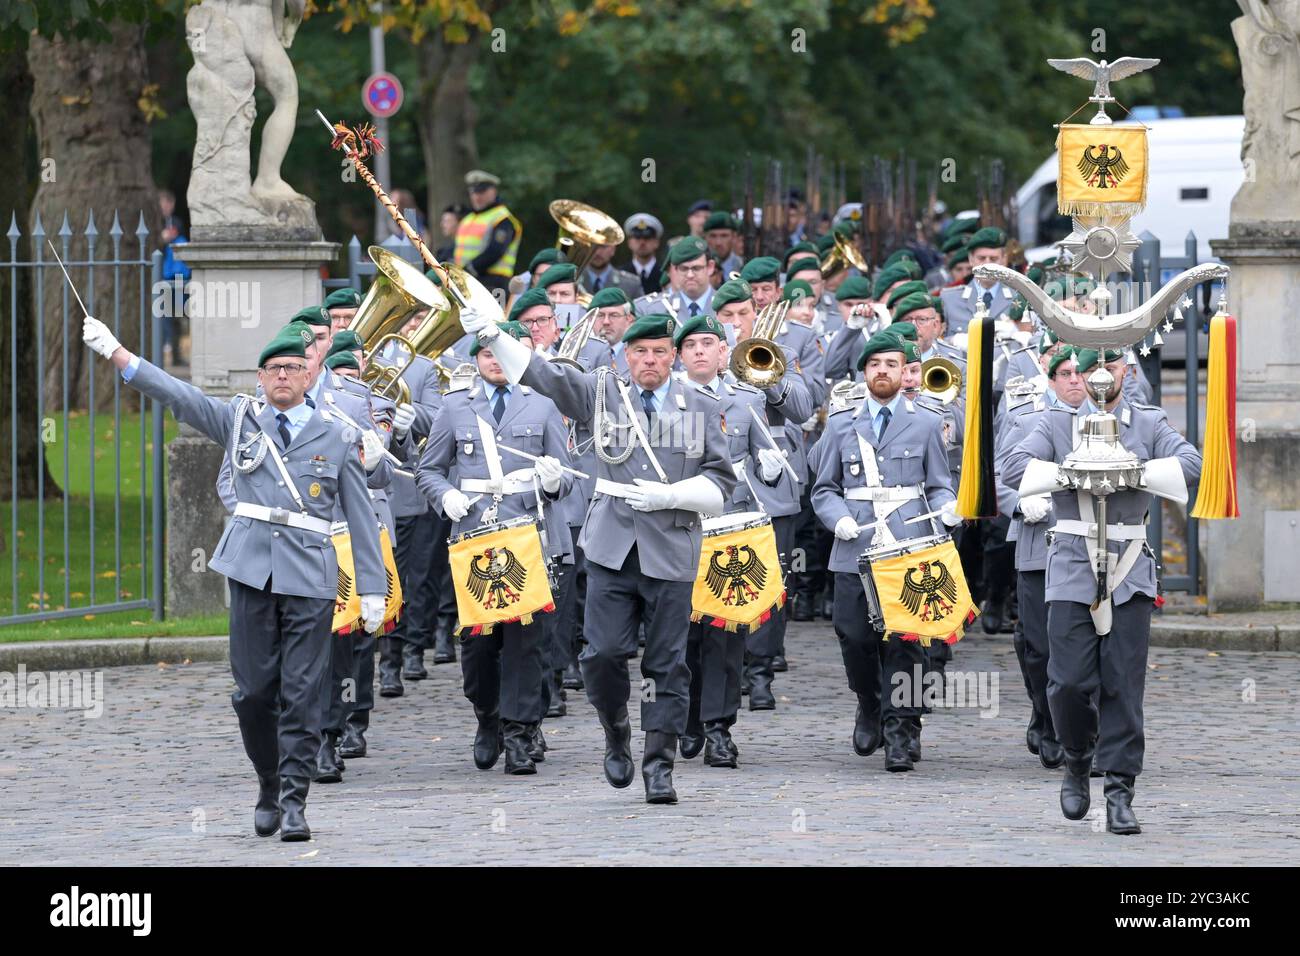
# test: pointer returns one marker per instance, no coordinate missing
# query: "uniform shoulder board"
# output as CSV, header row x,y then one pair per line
x,y
1016,401
743,387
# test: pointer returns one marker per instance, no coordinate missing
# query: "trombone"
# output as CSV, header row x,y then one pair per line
x,y
758,360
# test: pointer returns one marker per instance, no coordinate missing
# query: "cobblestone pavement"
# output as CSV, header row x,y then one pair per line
x,y
161,777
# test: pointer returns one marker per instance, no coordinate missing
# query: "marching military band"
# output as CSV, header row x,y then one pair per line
x,y
671,459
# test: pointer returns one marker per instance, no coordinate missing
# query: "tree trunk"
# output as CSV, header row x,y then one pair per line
x,y
93,155
447,118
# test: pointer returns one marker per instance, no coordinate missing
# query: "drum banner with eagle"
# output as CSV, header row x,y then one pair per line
x,y
738,583
499,577
923,595
1103,170
347,603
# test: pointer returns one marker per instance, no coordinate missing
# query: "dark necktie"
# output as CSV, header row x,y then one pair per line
x,y
310,403
884,423
695,310
709,389
988,300
283,428
648,403
499,403
595,284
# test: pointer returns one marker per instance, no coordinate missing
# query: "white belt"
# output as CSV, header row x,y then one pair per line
x,y
1088,529
508,485
615,489
883,495
282,516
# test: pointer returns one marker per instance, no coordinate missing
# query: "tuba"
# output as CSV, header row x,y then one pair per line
x,y
758,360
582,229
843,255
940,379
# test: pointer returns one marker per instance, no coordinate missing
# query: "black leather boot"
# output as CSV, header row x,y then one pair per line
x,y
1119,805
619,768
266,815
573,677
760,684
488,742
444,644
1009,614
657,767
991,617
803,607
898,737
1034,732
1050,752
537,743
719,750
390,667
779,664
1075,787
557,707
413,662
692,742
517,738
353,743
913,726
329,769
866,729
293,809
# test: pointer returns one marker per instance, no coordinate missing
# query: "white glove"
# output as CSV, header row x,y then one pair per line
x,y
403,419
811,424
1035,509
549,471
949,514
856,319
96,334
650,496
372,449
372,612
481,311
846,529
769,463
455,504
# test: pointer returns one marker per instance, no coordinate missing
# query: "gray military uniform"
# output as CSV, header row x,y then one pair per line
x,y
959,303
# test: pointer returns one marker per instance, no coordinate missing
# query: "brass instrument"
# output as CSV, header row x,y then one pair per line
x,y
940,379
575,340
844,254
758,360
582,229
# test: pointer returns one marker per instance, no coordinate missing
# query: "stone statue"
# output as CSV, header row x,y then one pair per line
x,y
238,44
1268,42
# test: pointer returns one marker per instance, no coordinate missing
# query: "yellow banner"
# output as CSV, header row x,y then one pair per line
x,y
739,578
923,595
1103,170
393,606
347,603
500,577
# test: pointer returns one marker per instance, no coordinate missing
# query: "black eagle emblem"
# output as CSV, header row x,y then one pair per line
x,y
933,596
1104,169
733,579
496,575
344,591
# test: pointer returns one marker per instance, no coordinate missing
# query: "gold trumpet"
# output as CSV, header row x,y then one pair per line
x,y
844,254
575,340
582,229
758,360
940,379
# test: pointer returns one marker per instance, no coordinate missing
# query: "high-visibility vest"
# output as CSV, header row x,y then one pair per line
x,y
474,233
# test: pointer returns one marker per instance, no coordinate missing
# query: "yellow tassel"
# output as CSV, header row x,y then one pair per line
x,y
1217,493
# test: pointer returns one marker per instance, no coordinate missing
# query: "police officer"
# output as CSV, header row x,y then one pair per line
x,y
1095,680
884,458
487,239
662,462
644,233
294,464
502,666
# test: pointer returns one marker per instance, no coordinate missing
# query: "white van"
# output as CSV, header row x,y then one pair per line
x,y
1195,170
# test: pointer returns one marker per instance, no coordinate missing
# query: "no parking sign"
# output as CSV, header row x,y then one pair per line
x,y
382,95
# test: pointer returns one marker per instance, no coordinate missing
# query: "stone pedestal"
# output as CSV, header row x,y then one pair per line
x,y
240,294
1264,295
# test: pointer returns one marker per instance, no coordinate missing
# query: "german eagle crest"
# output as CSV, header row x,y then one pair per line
x,y
1102,166
925,597
734,580
496,575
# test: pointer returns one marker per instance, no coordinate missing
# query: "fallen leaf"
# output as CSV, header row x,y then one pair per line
x,y
87,617
308,856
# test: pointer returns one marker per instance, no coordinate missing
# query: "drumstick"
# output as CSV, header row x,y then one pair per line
x,y
524,454
763,430
924,517
879,521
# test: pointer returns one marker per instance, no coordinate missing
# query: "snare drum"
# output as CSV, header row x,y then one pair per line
x,y
883,552
738,581
500,574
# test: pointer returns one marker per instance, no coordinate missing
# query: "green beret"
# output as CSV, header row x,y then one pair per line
x,y
312,315
848,228
656,325
343,358
300,329
513,329
1064,355
560,272
797,248
550,255
285,343
342,299
961,255
346,341
534,296
795,290
1087,358
762,269
1017,311
882,341
962,227
937,301
912,302
911,352
733,290
1048,339
952,244
799,265
907,288
609,296
990,237
719,220
887,277
854,287
704,322
1036,274
898,255
904,330
825,243
686,249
